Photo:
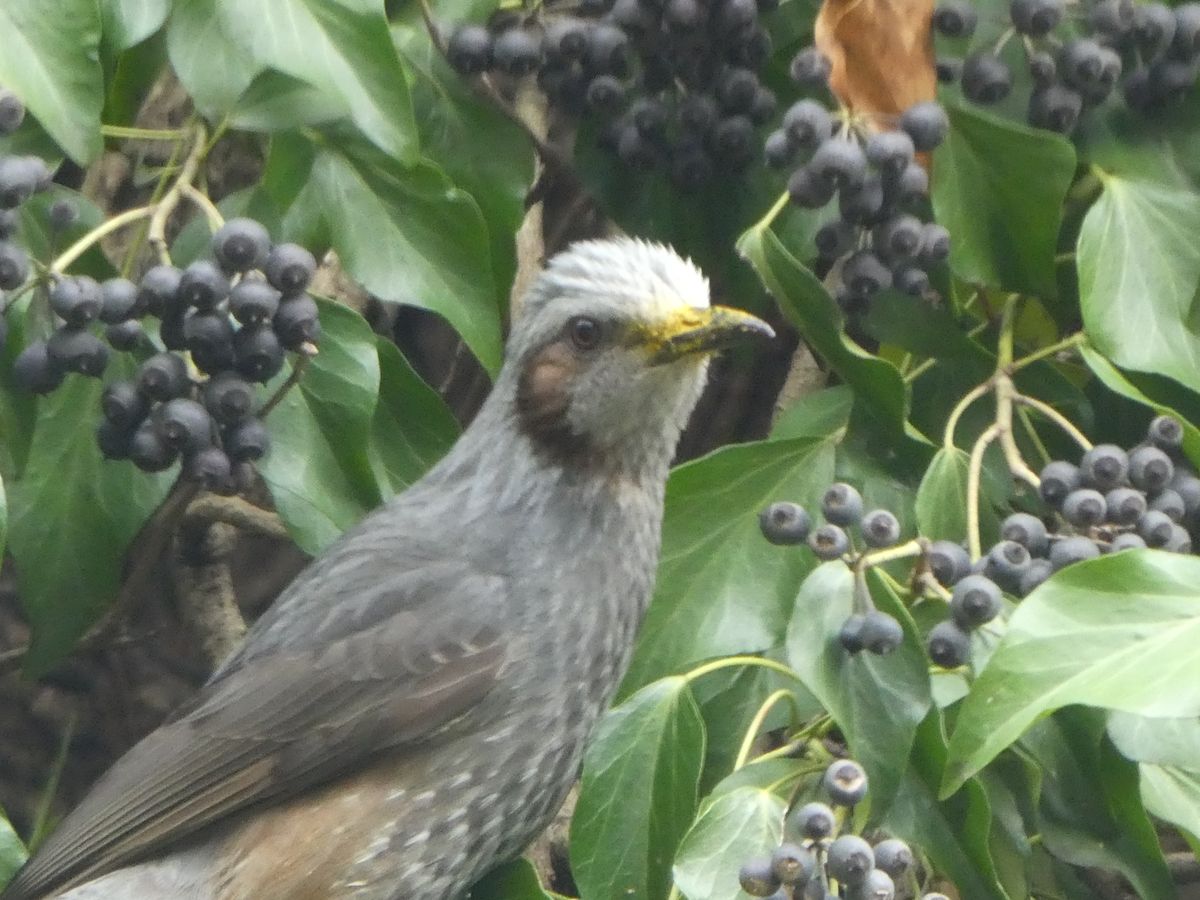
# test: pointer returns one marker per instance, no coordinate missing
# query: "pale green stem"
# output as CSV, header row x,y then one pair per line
x,y
974,473
141,134
105,228
756,723
961,407
1005,392
776,208
730,662
1031,433
157,233
900,551
1066,343
1057,418
211,213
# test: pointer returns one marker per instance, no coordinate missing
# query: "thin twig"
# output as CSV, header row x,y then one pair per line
x,y
1066,343
237,512
105,228
974,474
146,549
151,541
124,132
900,551
920,369
1056,417
927,584
1031,433
1005,393
756,723
198,197
157,234
160,186
305,354
18,294
959,408
729,662
771,214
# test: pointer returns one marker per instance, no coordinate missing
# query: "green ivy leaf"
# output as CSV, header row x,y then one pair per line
x,y
999,187
1168,755
18,408
1112,379
778,775
12,851
517,880
342,48
1168,742
637,796
3,519
915,326
1117,632
878,701
736,826
722,589
1139,265
954,832
412,428
880,481
820,414
41,244
451,116
942,500
1089,808
319,470
806,303
275,101
214,69
51,60
730,700
129,22
72,516
1172,794
406,234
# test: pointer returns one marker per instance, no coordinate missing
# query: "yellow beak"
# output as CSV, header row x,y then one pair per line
x,y
703,330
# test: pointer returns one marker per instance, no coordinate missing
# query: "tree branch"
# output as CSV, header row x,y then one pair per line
x,y
212,508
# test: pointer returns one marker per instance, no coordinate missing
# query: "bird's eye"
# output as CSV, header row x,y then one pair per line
x,y
585,332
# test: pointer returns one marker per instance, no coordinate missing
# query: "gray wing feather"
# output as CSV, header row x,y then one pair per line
x,y
384,665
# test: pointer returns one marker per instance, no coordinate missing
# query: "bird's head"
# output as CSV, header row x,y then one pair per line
x,y
610,352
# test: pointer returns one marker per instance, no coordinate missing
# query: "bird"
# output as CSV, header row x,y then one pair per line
x,y
413,708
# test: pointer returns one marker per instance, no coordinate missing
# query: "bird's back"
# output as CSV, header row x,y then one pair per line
x,y
556,569
413,708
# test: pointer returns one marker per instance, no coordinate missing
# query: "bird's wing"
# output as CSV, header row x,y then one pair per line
x,y
281,721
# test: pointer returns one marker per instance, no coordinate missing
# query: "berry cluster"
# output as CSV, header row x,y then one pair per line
x,y
1112,500
1157,48
235,317
20,178
787,523
673,83
878,239
813,857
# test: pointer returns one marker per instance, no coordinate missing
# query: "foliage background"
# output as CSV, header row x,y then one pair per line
x,y
342,129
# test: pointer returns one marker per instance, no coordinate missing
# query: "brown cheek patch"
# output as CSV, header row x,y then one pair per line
x,y
543,400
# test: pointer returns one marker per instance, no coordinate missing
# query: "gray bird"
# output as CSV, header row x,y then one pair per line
x,y
413,708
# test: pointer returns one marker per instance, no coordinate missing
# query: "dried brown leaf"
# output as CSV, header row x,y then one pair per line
x,y
881,52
